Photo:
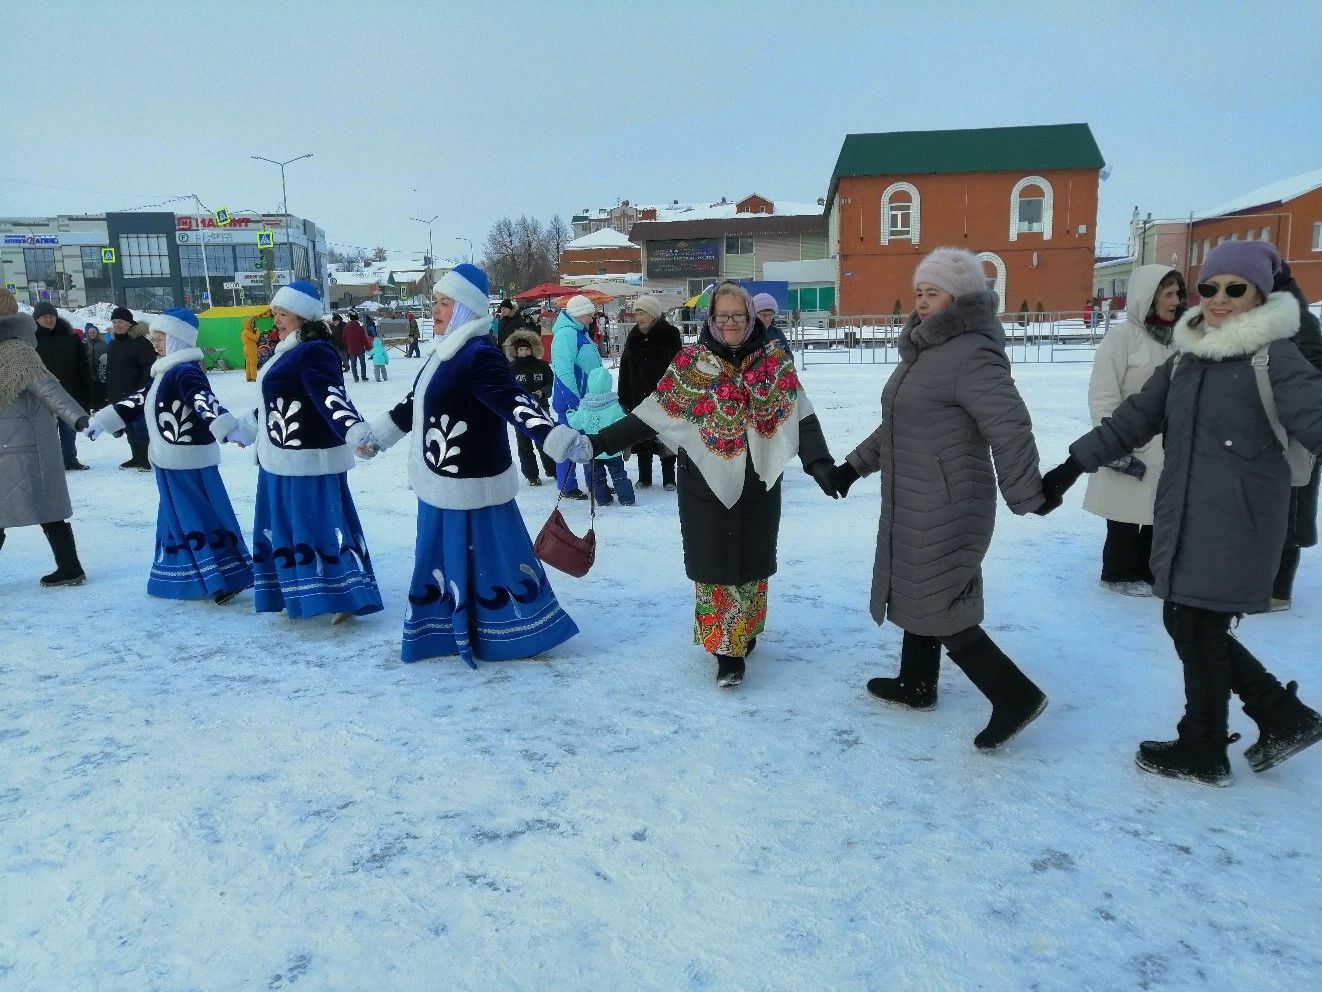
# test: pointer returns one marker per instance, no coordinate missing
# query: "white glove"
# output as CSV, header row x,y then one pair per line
x,y
241,436
92,431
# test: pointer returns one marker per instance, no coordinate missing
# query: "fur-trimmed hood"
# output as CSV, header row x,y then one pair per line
x,y
1243,334
139,330
180,357
971,313
527,336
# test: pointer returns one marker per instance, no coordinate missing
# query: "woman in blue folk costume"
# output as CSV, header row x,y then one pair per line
x,y
199,547
309,553
478,590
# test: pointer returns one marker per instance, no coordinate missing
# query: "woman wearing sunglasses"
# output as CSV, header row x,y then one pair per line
x,y
1220,517
734,409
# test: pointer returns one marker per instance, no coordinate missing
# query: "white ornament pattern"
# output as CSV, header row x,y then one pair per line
x,y
337,402
282,423
175,422
438,444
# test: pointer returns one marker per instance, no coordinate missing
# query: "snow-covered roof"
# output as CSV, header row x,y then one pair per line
x,y
1277,192
721,211
607,237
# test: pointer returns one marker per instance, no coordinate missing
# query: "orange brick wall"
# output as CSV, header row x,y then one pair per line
x,y
1291,231
972,211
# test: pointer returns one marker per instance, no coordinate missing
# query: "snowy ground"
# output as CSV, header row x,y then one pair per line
x,y
194,798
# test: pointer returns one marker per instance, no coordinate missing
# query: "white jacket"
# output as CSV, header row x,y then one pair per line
x,y
1125,360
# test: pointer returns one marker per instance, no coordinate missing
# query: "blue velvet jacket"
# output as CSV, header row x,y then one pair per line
x,y
465,394
186,419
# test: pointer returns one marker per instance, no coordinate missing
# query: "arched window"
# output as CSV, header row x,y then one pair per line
x,y
900,210
1032,203
995,281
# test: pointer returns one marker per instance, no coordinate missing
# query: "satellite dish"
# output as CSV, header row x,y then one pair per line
x,y
1106,172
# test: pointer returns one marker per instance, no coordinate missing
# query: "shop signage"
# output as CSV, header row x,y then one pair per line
x,y
257,280
32,239
231,285
684,259
108,256
184,222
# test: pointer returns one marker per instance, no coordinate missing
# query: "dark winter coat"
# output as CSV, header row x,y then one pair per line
x,y
1222,498
505,326
1301,523
532,373
733,545
128,363
644,360
355,338
948,411
32,484
63,353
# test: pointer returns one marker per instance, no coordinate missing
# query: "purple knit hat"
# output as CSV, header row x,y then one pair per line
x,y
1255,261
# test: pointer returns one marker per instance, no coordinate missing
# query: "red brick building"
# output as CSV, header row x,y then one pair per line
x,y
1024,199
604,252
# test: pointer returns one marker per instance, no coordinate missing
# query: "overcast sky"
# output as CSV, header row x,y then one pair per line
x,y
472,111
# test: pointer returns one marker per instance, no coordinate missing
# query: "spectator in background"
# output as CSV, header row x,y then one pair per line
x,y
128,369
767,308
508,320
414,349
356,345
524,350
337,339
63,354
369,324
649,348
573,357
380,360
249,337
96,346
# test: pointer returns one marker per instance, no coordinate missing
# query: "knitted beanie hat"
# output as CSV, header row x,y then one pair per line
x,y
301,297
580,306
952,269
181,324
649,305
1255,261
44,309
465,284
123,313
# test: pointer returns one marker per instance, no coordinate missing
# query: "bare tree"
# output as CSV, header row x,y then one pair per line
x,y
379,254
519,253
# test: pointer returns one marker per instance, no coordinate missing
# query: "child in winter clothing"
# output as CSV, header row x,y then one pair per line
x,y
524,350
380,359
598,409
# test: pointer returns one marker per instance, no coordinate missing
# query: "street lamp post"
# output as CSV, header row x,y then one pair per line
x,y
284,198
470,248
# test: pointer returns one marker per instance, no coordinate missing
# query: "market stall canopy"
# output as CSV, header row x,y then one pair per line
x,y
667,301
546,290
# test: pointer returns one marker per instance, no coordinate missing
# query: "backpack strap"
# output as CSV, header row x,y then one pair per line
x,y
1262,374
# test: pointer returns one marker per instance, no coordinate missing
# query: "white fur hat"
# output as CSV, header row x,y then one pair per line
x,y
302,298
181,324
955,270
466,284
580,306
649,305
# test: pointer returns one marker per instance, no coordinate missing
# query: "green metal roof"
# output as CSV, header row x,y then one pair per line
x,y
989,149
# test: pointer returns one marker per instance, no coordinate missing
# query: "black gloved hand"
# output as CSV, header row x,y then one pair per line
x,y
823,470
844,476
1057,482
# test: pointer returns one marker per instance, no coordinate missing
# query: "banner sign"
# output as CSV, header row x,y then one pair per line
x,y
685,259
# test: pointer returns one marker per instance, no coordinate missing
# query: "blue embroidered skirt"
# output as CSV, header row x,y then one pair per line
x,y
309,553
199,546
478,591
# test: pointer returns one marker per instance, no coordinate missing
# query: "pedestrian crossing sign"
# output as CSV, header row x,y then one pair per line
x,y
265,239
223,217
12,287
107,256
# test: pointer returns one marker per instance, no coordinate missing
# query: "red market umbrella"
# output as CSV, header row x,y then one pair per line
x,y
544,291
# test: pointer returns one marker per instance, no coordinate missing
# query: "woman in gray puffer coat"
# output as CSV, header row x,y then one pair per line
x,y
32,485
948,411
1222,501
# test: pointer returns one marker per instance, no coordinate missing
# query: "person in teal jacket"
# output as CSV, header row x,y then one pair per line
x,y
573,357
598,409
380,359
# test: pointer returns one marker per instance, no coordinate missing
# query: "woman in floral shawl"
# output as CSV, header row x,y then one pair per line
x,y
734,409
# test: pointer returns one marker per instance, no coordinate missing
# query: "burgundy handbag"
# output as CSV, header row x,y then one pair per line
x,y
561,548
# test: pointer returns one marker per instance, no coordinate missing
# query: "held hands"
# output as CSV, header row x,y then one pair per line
x,y
241,435
92,431
1130,466
823,471
843,476
566,444
1057,482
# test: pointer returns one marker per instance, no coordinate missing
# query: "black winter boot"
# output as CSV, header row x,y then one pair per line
x,y
915,686
730,671
68,570
1285,728
668,473
1016,701
140,459
1194,756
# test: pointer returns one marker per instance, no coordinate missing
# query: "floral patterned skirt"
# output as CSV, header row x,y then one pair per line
x,y
727,617
199,547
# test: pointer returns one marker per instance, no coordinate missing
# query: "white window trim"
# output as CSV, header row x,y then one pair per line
x,y
999,265
1048,205
915,212
1317,236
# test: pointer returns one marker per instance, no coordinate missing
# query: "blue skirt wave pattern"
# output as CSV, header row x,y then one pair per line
x,y
309,553
478,591
199,546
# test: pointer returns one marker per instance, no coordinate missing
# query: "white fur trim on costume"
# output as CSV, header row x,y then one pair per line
x,y
459,289
314,461
307,307
107,420
559,441
172,326
386,433
464,494
445,347
222,425
358,434
165,455
167,362
1242,334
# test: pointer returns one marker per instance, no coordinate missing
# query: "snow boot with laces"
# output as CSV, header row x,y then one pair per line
x,y
1285,728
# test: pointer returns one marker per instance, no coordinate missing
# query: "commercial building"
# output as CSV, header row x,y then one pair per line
x,y
605,252
149,260
1023,199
